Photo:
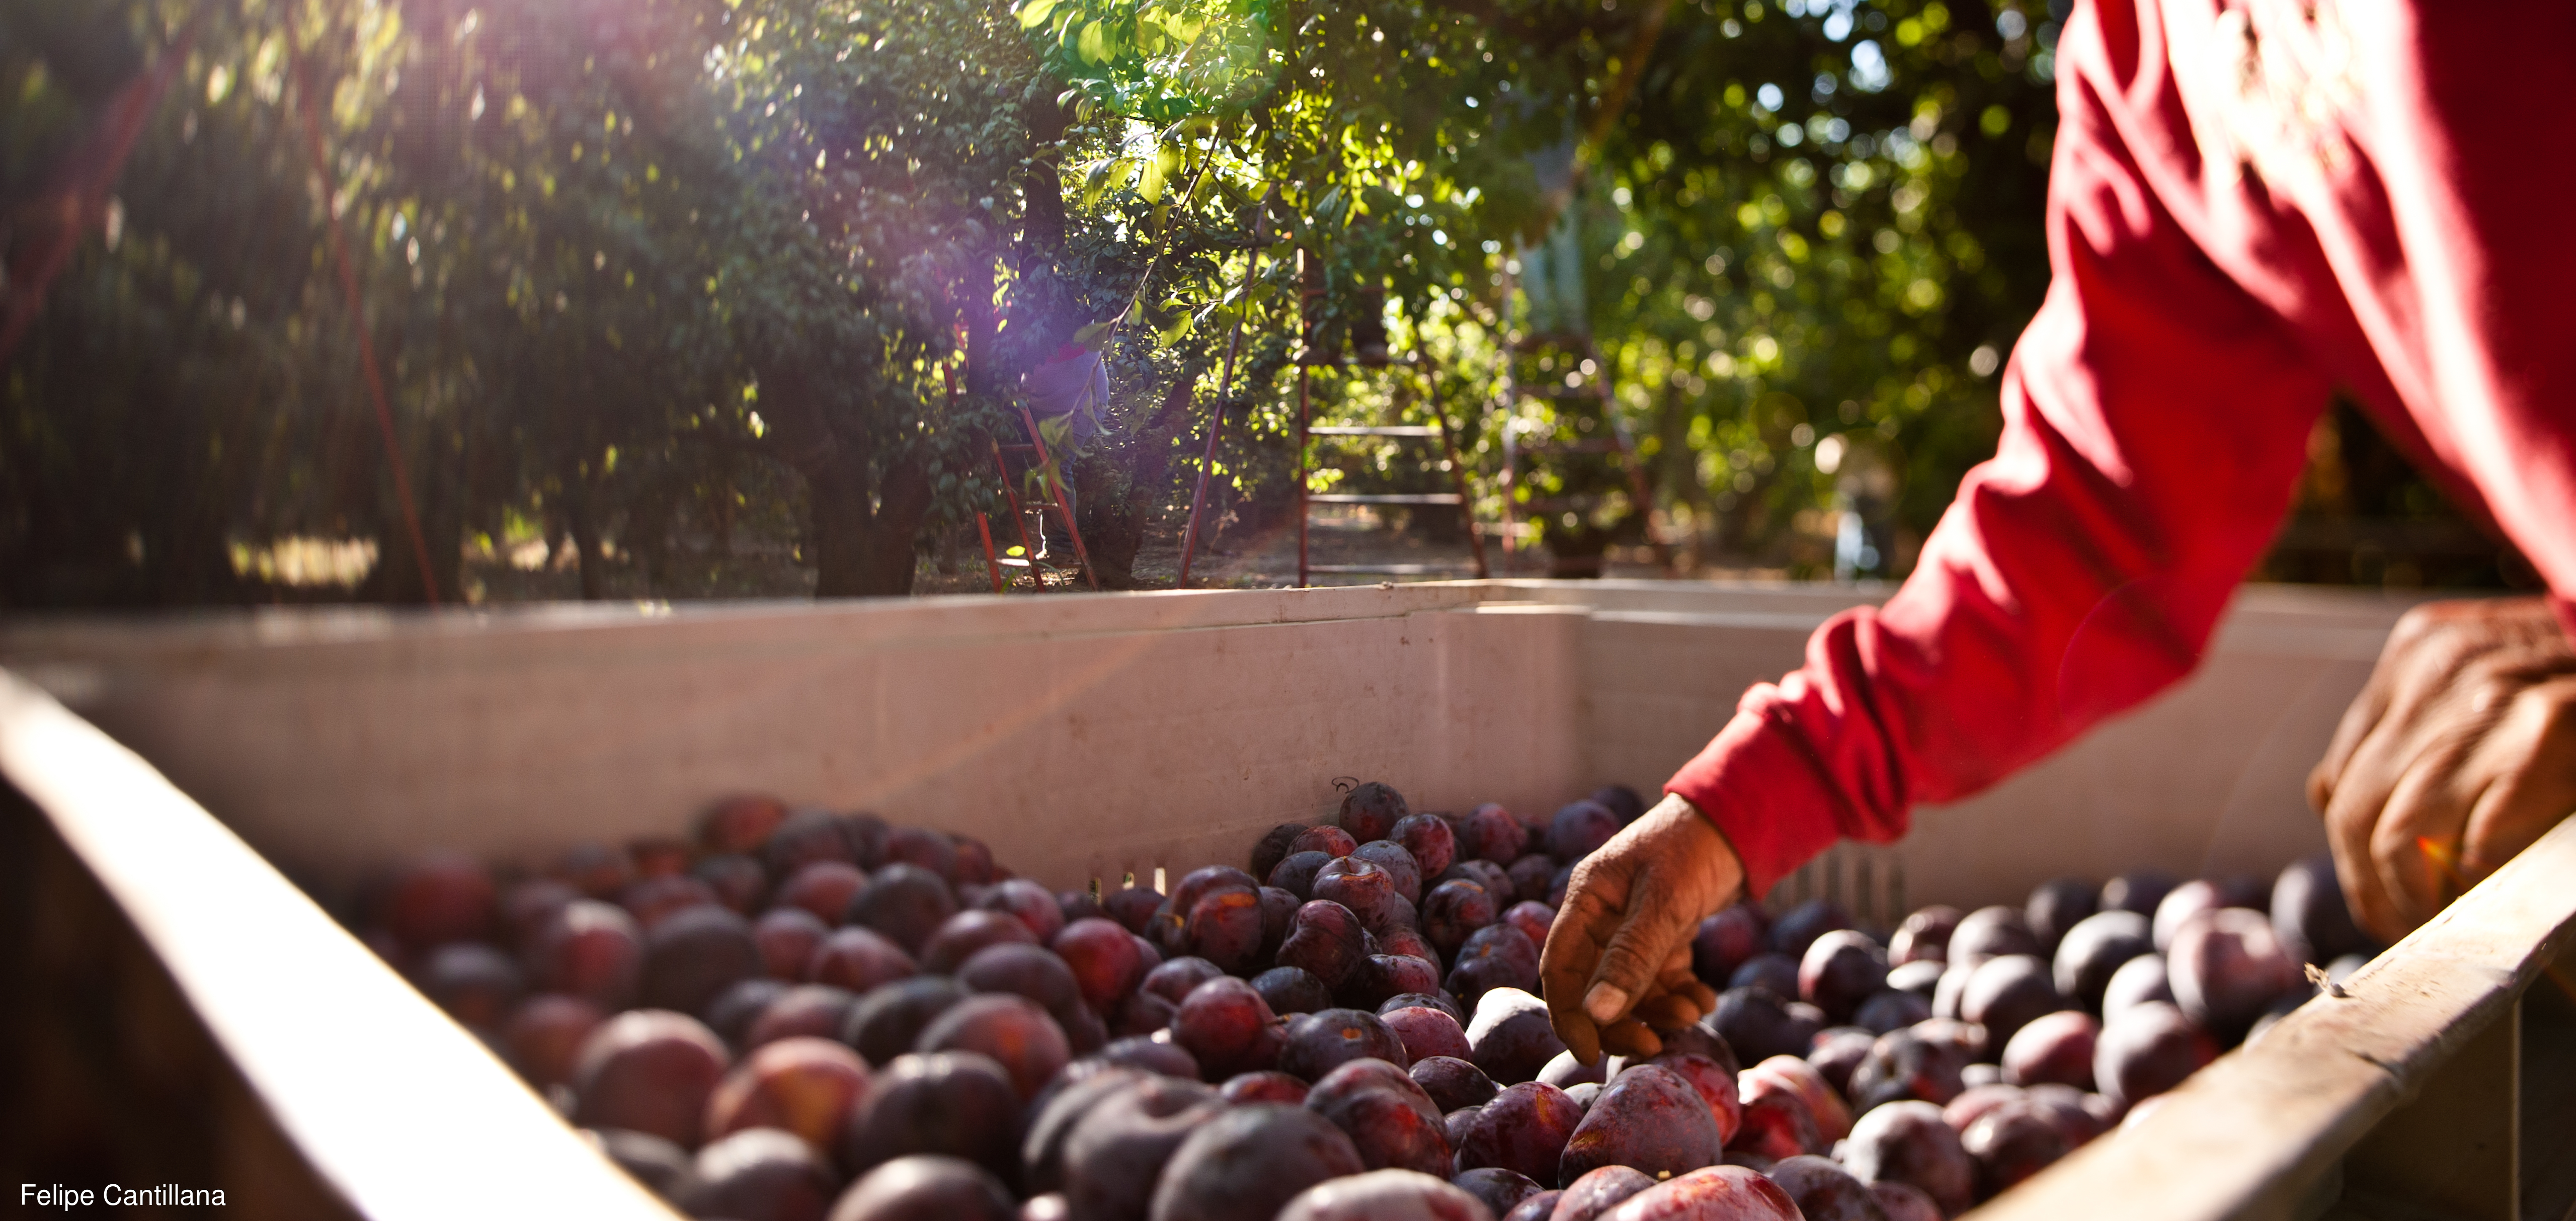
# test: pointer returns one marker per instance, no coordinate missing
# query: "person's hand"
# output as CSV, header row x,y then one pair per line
x,y
2459,753
1618,958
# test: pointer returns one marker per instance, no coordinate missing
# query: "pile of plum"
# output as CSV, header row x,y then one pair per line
x,y
806,1014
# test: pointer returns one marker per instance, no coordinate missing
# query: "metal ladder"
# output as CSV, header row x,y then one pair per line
x,y
1439,428
1033,552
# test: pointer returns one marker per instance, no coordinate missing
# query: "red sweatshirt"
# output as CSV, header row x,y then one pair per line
x,y
2250,205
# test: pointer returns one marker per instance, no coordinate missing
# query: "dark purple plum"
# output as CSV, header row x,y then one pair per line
x,y
651,1071
1824,1191
1198,884
759,1174
1921,977
1227,1027
1904,1201
859,959
966,932
1510,1037
1714,1193
1150,1055
1531,876
1402,871
1538,1207
1389,975
1976,1100
2056,1047
1269,1085
1621,800
823,888
1565,1072
738,881
1367,889
1272,848
1925,936
543,1036
2093,949
1025,970
2056,906
1533,919
1371,810
1031,904
1330,840
1142,1013
926,1188
1225,927
1385,1195
475,983
2309,915
806,1010
2005,994
786,937
1249,1162
1832,1114
1391,1120
1322,1041
1072,905
733,1010
1015,1031
1453,911
1991,932
1524,1129
923,847
651,898
1452,1083
658,1164
1906,1142
1890,1010
1840,970
1777,1122
2013,1142
1598,1190
1725,941
2139,980
1908,1063
1777,973
2181,904
1759,1023
1103,958
1579,830
740,823
1840,1050
885,1023
1120,1146
1801,925
1327,940
1133,908
2137,891
588,949
1498,955
1292,990
905,902
1498,1190
1429,840
695,953
1175,980
1426,1032
1441,1001
2147,1049
2226,967
1648,1118
960,1104
1490,833
1296,872
1701,1039
1051,1119
1278,919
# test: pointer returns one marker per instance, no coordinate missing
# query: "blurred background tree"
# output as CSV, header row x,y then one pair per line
x,y
691,297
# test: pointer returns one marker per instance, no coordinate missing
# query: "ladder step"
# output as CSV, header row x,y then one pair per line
x,y
1413,498
1397,570
1380,430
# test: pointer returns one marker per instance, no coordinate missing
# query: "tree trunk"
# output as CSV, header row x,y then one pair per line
x,y
863,536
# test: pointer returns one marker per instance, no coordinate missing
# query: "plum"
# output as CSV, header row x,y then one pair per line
x,y
886,1021
2081,1115
1496,880
1908,1063
1330,840
588,949
1278,917
733,1010
544,1036
1832,1114
1925,936
786,937
1268,1085
1981,1073
2055,1047
1599,1190
926,1188
1026,970
1294,990
1824,1191
759,1174
658,1164
1715,1084
801,1085
2147,1049
1759,1023
1799,926
526,907
650,899
958,1104
1531,877
647,1070
2011,1143
1102,956
1326,939
905,902
1226,1026
1532,918
1990,932
2309,915
1510,1038
1388,975
1272,848
2057,906
1031,904
1248,1162
1648,1118
961,935
1584,1093
1426,1032
804,837
824,888
1524,1129
2138,980
2226,967
1367,889
1402,871
1429,840
927,849
805,1010
1072,905
2181,904
1452,1082
1921,977
1050,1121
859,959
1774,973
1498,1190
1439,1000
1119,1147
1724,942
1296,872
1623,801
1539,1206
1579,830
475,983
740,823
1133,907
1565,1072
1490,833
1716,1193
1907,1142
1889,1009
693,954
1973,1102
2138,891
595,869
2096,947
1015,1031
1840,1050
1496,956
1224,926
1391,1120
1149,1054
1143,1014
2006,993
1175,980
1777,1122
1198,884
1386,1195
1454,910
439,897
1371,810
738,881
1904,1202
1410,943
1319,1042
1840,970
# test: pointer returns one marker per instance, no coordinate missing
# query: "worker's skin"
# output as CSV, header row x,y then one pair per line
x,y
2460,752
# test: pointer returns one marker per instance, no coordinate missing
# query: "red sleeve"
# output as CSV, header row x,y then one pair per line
x,y
2155,422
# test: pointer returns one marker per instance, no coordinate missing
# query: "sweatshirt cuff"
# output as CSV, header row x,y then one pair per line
x,y
1763,792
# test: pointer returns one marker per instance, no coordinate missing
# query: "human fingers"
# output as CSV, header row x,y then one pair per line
x,y
1594,901
2415,840
2533,755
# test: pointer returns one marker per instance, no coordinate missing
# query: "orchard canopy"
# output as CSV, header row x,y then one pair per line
x,y
674,276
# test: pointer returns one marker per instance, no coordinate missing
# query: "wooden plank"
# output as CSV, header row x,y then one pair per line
x,y
2452,1150
401,1109
2251,1135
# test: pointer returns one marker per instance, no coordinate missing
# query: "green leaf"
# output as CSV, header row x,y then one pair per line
x,y
1150,183
1093,47
1035,12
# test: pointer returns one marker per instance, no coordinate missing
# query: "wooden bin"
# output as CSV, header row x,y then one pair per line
x,y
1100,737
